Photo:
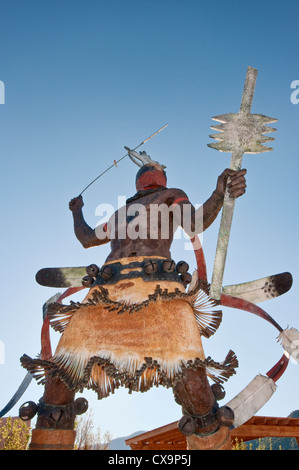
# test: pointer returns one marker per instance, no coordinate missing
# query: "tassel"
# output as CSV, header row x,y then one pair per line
x,y
207,318
289,339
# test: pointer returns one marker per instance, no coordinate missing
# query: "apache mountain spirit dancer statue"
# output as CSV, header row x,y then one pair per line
x,y
144,315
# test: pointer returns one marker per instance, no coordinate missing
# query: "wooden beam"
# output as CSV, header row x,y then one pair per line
x,y
249,432
168,428
169,436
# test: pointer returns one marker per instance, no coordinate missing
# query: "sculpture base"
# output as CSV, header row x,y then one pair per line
x,y
52,439
220,440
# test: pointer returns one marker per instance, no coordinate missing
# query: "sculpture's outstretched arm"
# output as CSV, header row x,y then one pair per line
x,y
204,216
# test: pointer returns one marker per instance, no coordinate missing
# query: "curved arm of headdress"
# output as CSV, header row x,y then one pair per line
x,y
134,156
135,161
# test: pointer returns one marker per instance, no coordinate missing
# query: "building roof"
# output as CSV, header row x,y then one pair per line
x,y
170,438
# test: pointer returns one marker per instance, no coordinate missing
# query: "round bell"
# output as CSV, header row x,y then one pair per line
x,y
169,266
106,272
186,278
218,391
150,266
87,281
182,267
92,270
187,425
28,410
225,416
81,405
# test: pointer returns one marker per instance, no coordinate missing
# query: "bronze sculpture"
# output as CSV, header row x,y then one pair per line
x,y
125,317
143,317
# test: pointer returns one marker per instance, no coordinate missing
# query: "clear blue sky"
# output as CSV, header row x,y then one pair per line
x,y
83,79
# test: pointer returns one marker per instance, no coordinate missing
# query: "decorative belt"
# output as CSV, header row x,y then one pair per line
x,y
150,269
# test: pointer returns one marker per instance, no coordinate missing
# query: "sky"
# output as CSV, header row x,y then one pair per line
x,y
83,79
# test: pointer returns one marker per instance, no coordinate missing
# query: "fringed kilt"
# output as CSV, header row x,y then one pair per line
x,y
134,334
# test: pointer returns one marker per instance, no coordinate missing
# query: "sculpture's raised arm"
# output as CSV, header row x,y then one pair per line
x,y
85,234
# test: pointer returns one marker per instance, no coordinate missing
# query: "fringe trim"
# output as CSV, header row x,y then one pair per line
x,y
208,320
102,376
